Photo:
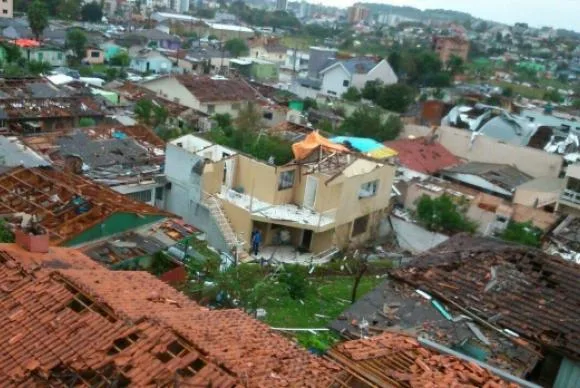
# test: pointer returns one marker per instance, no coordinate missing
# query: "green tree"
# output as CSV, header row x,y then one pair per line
x,y
68,9
13,53
524,233
352,94
295,278
455,65
6,235
395,60
553,96
371,122
121,59
237,47
160,115
224,120
508,91
76,40
310,103
144,110
372,90
249,118
396,98
92,12
37,17
37,67
442,214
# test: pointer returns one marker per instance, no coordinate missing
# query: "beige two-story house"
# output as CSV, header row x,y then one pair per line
x,y
325,200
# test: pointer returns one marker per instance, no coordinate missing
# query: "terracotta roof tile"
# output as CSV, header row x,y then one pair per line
x,y
65,204
100,326
423,156
393,359
208,89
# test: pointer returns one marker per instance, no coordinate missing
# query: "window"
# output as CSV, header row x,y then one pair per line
x,y
331,92
286,180
59,56
368,189
5,11
210,109
159,193
268,115
40,56
359,226
345,83
176,100
236,106
141,196
95,54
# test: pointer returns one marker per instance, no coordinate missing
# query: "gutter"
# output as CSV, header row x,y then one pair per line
x,y
501,373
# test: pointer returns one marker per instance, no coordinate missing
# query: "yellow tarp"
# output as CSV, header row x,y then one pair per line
x,y
382,153
311,142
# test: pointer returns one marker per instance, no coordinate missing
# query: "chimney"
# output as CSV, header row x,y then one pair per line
x,y
33,239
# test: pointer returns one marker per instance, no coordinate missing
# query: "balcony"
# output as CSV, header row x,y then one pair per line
x,y
570,196
285,214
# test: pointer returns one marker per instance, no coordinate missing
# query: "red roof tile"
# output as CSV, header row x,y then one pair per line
x,y
63,324
393,359
423,156
208,89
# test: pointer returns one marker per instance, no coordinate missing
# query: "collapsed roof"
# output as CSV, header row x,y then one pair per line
x,y
511,287
67,320
65,205
217,89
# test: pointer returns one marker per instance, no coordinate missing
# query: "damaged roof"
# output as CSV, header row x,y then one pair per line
x,y
65,205
512,287
133,93
71,321
422,155
503,175
398,360
217,89
108,154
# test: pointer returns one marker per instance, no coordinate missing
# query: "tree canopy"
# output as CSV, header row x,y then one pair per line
x,y
237,47
352,94
76,40
371,122
150,113
443,215
6,235
523,233
92,12
262,17
396,98
37,17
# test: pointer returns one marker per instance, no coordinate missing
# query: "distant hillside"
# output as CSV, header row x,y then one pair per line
x,y
415,13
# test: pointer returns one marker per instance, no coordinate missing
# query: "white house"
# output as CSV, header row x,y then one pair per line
x,y
340,75
209,95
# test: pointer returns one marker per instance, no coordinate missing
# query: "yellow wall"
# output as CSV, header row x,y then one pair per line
x,y
256,178
213,175
322,241
240,221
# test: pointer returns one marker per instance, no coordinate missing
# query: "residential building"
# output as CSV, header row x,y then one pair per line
x,y
338,76
95,326
295,205
296,60
7,9
466,145
268,49
257,69
449,46
54,56
151,61
319,58
155,39
79,211
570,199
111,49
128,159
281,5
423,155
357,13
426,293
497,179
209,95
94,56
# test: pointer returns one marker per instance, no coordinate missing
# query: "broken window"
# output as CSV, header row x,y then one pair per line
x,y
123,343
174,349
286,180
80,303
359,226
368,189
210,109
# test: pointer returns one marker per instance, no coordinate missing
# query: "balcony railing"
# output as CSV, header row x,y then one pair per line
x,y
571,196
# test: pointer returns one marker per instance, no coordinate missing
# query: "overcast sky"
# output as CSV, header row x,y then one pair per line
x,y
554,13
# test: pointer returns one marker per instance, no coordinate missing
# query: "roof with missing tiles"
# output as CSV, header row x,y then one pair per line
x,y
392,359
63,325
212,89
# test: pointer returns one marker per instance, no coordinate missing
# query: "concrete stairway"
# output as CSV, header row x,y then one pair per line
x,y
218,214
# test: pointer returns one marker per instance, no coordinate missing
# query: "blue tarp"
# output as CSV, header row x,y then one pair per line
x,y
362,144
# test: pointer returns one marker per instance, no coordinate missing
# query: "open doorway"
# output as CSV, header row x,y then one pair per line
x,y
306,240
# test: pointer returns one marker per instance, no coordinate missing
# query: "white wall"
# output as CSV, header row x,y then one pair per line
x,y
333,81
382,71
171,89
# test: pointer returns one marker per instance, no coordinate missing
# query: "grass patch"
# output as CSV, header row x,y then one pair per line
x,y
328,297
524,91
298,42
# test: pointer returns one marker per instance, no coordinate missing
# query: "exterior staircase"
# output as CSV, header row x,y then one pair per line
x,y
218,214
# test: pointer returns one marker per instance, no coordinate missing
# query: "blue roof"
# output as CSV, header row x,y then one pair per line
x,y
362,144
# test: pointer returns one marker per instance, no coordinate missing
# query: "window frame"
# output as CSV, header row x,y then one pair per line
x,y
368,189
356,229
285,183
